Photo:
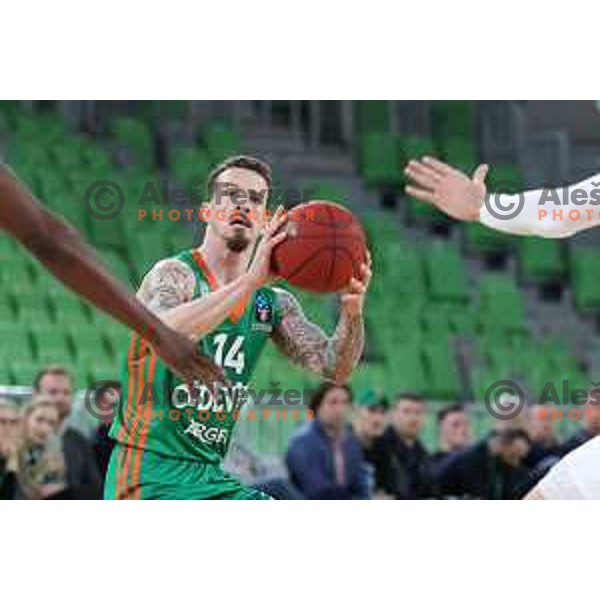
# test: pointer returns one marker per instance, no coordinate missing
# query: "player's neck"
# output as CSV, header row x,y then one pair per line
x,y
225,264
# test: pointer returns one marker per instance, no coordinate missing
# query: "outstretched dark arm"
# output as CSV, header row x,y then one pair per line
x,y
60,248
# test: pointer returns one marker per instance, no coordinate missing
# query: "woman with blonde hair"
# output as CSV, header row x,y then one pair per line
x,y
41,471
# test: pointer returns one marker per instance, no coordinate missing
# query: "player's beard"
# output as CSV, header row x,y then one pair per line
x,y
238,242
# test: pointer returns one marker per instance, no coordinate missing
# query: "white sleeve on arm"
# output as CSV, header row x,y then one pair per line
x,y
545,212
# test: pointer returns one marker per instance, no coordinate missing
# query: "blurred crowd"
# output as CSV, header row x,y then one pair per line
x,y
41,455
355,448
373,448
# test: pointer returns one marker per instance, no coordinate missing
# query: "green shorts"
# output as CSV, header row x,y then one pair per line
x,y
135,474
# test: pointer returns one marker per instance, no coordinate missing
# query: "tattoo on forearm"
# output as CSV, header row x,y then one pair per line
x,y
168,284
346,345
306,345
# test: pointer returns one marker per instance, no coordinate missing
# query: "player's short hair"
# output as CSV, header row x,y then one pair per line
x,y
319,394
50,370
241,162
411,396
448,410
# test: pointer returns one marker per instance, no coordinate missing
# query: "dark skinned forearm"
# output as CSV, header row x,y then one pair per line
x,y
61,249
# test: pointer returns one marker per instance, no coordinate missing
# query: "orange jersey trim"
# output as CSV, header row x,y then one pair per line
x,y
237,312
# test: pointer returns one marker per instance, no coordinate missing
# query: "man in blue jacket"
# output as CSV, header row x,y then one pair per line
x,y
325,460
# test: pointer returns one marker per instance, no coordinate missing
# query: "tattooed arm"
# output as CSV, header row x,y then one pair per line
x,y
168,290
305,344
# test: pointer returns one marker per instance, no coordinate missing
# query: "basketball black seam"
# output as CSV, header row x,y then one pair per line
x,y
318,251
332,220
306,260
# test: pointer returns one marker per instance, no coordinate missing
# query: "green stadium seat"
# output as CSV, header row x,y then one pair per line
x,y
16,273
406,371
221,141
372,116
144,255
445,272
106,234
414,147
441,370
324,190
8,248
585,266
69,312
67,156
52,345
453,119
87,341
23,371
435,323
380,160
96,158
191,166
485,241
136,136
460,153
540,260
114,334
381,228
501,303
16,342
7,312
463,322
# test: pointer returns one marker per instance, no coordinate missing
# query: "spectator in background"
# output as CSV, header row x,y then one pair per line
x,y
369,423
83,475
454,431
324,458
544,441
590,414
9,446
402,465
41,466
105,403
491,469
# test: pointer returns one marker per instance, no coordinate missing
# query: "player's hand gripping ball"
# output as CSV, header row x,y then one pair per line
x,y
324,249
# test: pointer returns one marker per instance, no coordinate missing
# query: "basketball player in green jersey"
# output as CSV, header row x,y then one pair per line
x,y
220,295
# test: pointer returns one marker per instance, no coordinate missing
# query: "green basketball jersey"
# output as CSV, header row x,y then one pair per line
x,y
156,413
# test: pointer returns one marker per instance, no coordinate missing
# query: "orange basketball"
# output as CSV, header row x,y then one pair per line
x,y
324,248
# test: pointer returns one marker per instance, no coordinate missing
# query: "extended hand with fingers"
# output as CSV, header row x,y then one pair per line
x,y
447,188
